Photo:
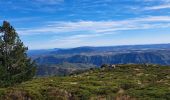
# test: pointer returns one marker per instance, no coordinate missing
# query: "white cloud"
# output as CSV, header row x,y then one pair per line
x,y
161,4
99,27
73,34
164,6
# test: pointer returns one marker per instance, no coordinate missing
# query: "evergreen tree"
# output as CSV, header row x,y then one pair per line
x,y
15,66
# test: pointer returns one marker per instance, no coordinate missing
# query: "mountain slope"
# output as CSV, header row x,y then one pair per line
x,y
126,82
49,60
87,49
156,54
154,57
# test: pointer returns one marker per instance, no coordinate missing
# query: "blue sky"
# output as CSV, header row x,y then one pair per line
x,y
43,24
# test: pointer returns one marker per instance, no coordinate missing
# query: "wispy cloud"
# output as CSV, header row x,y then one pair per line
x,y
99,27
69,34
164,6
160,4
79,22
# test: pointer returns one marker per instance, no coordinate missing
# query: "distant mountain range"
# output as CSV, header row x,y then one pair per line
x,y
105,49
96,56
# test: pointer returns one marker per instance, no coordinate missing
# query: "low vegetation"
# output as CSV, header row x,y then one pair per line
x,y
127,82
62,69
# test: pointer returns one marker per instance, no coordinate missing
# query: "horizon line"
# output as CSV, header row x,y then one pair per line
x,y
105,46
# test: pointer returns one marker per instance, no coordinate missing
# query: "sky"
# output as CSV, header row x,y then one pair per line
x,y
45,24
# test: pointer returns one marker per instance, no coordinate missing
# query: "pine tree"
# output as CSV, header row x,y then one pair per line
x,y
15,66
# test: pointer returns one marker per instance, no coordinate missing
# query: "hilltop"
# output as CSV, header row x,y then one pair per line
x,y
128,82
